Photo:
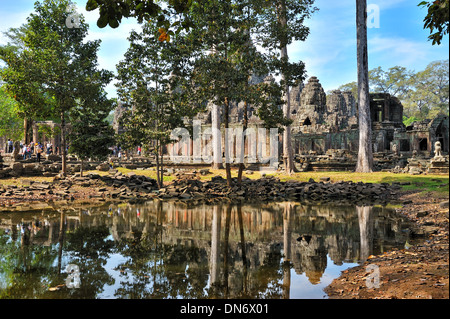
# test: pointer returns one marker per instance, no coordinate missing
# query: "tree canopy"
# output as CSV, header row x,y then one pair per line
x,y
437,19
54,67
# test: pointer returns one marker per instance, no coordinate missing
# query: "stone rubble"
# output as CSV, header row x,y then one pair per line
x,y
118,186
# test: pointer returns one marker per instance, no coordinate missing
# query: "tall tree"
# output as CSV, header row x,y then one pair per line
x,y
153,81
19,79
91,136
429,94
365,156
65,58
221,36
281,24
11,125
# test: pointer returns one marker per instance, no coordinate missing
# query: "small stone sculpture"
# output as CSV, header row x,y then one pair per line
x,y
437,149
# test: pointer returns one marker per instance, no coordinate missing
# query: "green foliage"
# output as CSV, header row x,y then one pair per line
x,y
270,106
437,19
112,12
352,87
396,81
424,94
409,120
429,94
232,29
21,66
52,69
154,83
281,22
152,79
91,135
221,38
11,125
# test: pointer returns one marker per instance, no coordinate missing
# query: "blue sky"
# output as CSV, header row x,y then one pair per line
x,y
329,52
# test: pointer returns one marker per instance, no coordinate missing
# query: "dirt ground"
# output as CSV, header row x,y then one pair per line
x,y
418,272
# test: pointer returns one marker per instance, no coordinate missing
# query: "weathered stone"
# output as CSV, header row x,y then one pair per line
x,y
104,167
444,204
17,167
53,158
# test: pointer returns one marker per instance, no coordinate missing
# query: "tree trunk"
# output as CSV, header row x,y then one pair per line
x,y
26,125
215,245
365,155
288,216
364,217
216,137
288,154
242,165
61,239
226,250
244,253
227,150
63,145
162,165
158,167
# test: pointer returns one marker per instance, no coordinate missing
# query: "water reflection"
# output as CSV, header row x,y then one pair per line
x,y
173,250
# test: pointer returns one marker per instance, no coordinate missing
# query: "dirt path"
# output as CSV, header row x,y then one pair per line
x,y
419,272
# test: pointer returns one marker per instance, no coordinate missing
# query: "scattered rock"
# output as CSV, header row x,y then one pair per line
x,y
444,204
104,167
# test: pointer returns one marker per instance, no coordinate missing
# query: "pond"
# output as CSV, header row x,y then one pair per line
x,y
167,249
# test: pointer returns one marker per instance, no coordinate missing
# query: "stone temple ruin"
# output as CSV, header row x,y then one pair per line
x,y
326,136
325,133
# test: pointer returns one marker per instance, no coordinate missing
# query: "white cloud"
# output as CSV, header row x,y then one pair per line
x,y
392,51
387,4
11,20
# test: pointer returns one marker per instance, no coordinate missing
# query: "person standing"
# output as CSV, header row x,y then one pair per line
x,y
38,152
24,151
29,150
10,145
48,148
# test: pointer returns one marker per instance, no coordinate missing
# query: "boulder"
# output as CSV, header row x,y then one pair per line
x,y
444,204
16,169
54,158
103,167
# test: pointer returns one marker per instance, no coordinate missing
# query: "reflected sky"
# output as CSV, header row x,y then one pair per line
x,y
166,249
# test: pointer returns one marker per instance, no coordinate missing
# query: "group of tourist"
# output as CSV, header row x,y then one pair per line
x,y
27,150
31,148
